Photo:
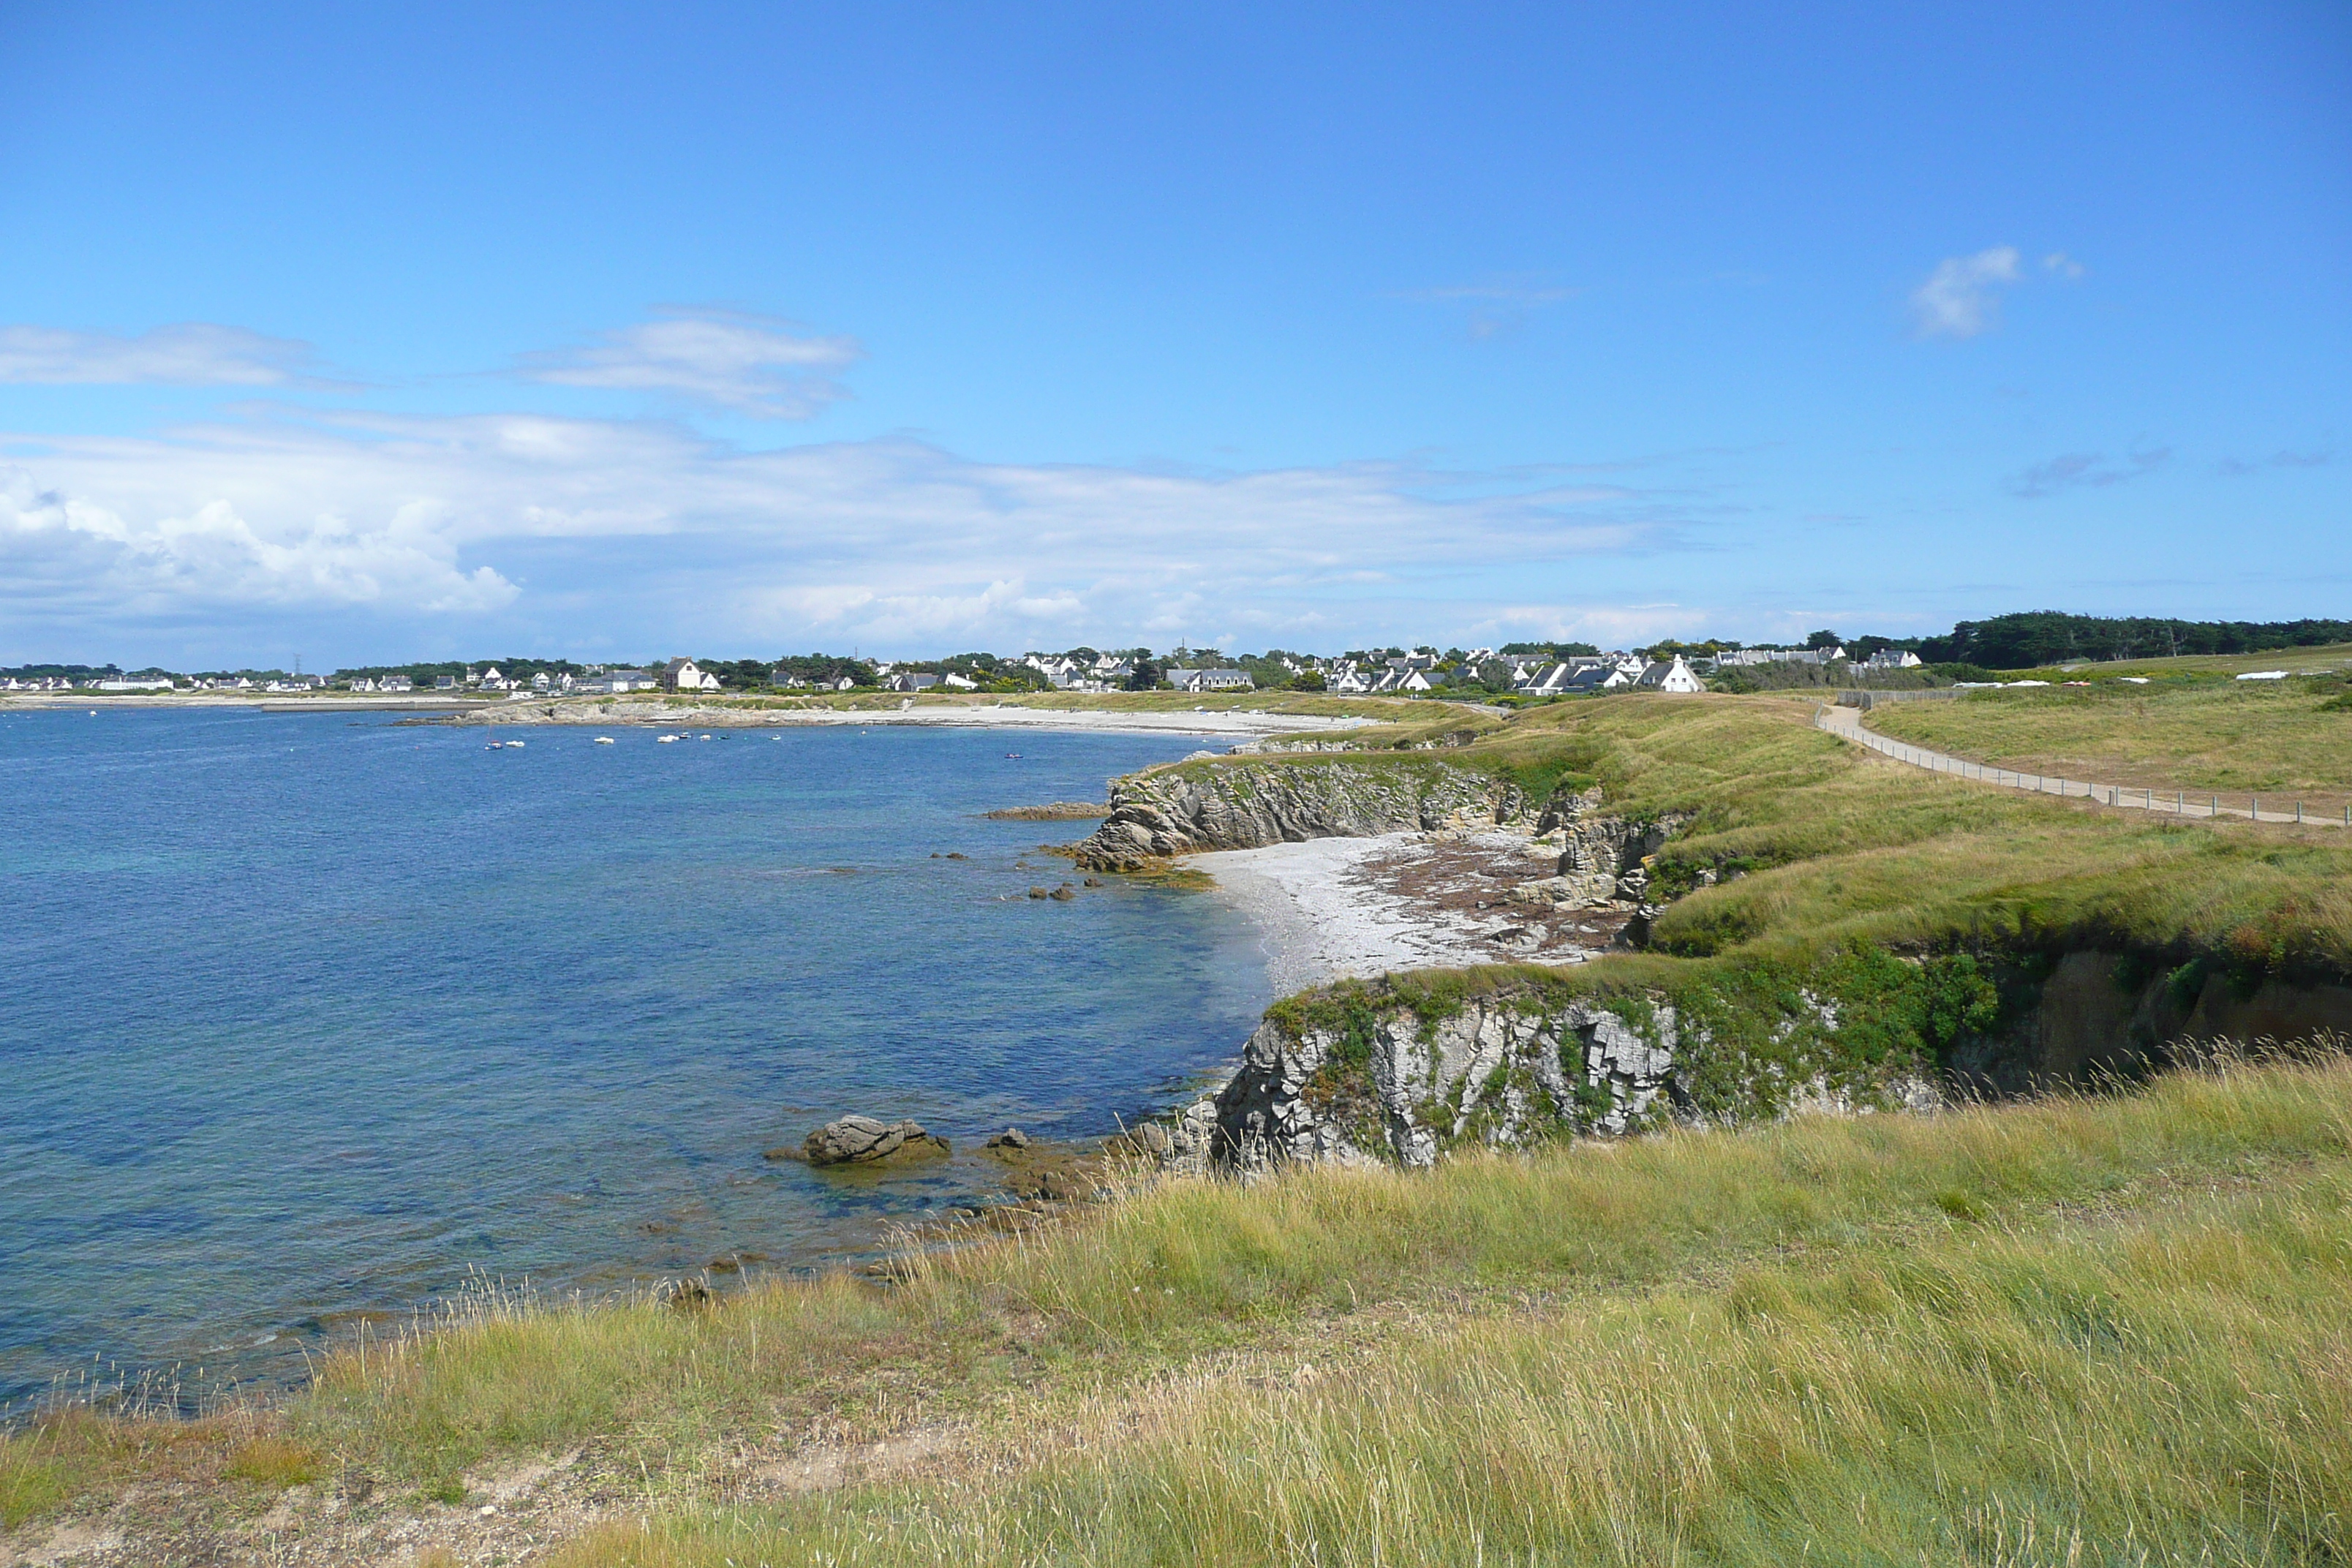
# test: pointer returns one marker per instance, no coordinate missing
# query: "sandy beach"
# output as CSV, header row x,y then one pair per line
x,y
1242,724
1239,724
1357,908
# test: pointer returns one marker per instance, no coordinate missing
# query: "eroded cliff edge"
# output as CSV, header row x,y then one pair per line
x,y
1401,1070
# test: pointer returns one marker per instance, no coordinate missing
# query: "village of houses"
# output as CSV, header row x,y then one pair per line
x,y
1475,673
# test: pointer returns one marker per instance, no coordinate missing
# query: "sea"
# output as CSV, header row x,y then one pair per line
x,y
315,1021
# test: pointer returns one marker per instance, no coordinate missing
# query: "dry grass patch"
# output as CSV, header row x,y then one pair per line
x,y
2154,1370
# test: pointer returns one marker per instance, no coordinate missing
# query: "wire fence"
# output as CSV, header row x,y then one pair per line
x,y
2169,803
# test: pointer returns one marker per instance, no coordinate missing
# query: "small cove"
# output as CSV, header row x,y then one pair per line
x,y
310,1019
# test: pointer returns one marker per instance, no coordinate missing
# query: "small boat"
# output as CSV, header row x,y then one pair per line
x,y
494,745
1011,756
702,737
665,739
605,741
514,746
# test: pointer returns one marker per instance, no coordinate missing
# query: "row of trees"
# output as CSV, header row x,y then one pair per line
x,y
2052,636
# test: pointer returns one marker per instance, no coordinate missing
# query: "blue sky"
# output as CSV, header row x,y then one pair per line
x,y
373,332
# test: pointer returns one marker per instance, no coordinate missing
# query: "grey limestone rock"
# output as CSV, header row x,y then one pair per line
x,y
1156,816
858,1139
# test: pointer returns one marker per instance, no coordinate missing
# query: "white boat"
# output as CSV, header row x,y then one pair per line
x,y
515,745
604,740
494,745
702,737
665,740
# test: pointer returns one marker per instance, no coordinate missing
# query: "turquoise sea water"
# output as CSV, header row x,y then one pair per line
x,y
304,1018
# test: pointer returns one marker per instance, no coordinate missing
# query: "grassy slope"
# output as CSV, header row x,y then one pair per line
x,y
1978,1337
1968,1338
2276,737
1836,844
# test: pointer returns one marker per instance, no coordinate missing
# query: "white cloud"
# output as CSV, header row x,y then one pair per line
x,y
634,529
208,556
1959,298
2061,265
751,364
193,354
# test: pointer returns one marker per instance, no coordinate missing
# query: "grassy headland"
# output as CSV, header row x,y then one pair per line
x,y
2078,1329
1816,844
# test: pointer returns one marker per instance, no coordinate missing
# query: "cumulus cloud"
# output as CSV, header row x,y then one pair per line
x,y
2086,470
209,556
1959,298
633,525
192,353
758,365
2058,264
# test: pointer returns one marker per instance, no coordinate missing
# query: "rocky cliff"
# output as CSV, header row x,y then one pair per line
x,y
1364,1078
1154,815
1399,1071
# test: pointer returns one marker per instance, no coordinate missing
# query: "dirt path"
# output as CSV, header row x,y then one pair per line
x,y
1846,723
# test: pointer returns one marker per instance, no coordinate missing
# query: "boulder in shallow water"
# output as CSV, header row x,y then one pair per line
x,y
860,1140
1011,1138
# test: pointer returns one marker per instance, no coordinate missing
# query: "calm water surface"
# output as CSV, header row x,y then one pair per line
x,y
304,1018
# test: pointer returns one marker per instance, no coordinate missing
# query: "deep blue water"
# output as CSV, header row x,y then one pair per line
x,y
302,1018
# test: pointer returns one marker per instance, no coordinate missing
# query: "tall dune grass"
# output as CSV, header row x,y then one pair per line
x,y
1177,1270
2120,1338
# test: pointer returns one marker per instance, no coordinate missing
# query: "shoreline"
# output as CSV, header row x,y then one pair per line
x,y
540,712
1335,908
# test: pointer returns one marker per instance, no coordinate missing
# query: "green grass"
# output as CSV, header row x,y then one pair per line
x,y
1191,1268
2278,738
2103,1330
1823,845
2092,1328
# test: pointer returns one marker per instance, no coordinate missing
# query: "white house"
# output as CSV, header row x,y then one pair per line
x,y
1675,677
955,682
913,681
685,675
395,683
1347,683
1211,680
1892,658
1544,681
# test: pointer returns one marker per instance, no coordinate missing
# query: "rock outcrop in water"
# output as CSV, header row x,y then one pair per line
x,y
1155,816
860,1140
